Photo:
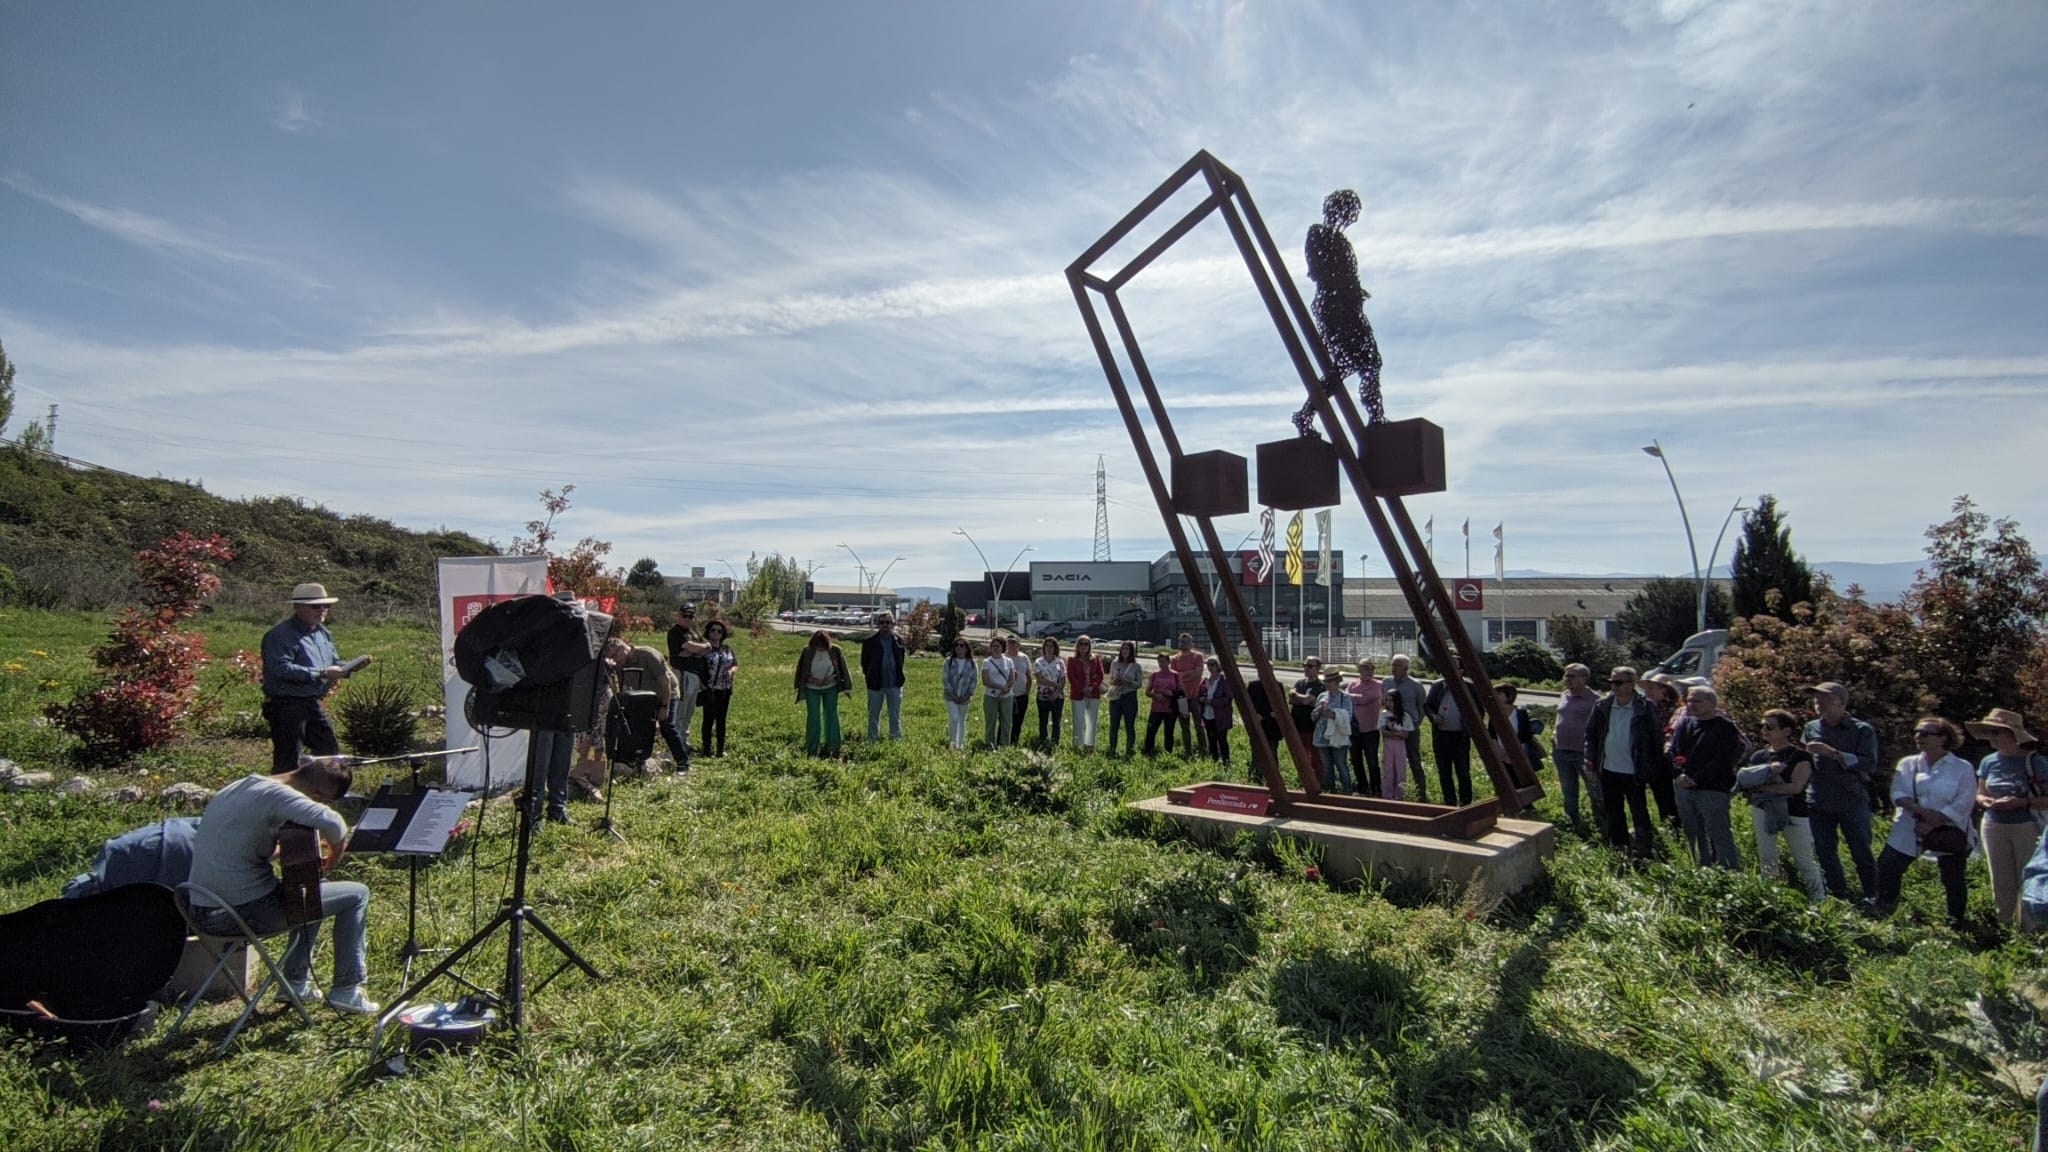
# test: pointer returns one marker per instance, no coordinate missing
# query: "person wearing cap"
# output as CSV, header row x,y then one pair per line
x,y
2012,789
300,666
687,656
1622,743
1844,753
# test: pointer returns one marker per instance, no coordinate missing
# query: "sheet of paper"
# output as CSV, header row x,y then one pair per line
x,y
439,812
377,819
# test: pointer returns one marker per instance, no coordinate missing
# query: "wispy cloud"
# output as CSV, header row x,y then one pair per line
x,y
292,113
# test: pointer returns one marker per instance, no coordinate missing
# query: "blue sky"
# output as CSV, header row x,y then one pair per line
x,y
772,277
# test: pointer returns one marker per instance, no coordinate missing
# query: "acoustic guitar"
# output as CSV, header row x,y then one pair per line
x,y
300,862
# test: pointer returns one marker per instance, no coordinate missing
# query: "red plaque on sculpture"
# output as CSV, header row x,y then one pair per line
x,y
1230,798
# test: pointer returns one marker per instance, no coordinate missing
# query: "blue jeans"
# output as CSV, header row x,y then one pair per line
x,y
1704,815
1337,761
1854,823
340,900
1571,773
876,698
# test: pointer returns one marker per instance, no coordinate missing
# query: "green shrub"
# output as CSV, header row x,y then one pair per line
x,y
1522,659
378,717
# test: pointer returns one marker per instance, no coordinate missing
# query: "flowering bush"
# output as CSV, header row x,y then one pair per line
x,y
149,671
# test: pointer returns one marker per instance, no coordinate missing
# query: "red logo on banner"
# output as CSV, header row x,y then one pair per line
x,y
1469,594
467,608
1227,798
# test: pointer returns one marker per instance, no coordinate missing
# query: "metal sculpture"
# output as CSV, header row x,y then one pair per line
x,y
1383,460
1340,309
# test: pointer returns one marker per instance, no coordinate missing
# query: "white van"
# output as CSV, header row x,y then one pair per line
x,y
1697,656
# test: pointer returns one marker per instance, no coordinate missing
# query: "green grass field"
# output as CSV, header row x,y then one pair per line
x,y
918,949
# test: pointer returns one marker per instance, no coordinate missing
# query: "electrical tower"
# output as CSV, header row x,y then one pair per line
x,y
1101,512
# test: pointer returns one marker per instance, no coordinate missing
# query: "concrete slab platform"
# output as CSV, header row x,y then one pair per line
x,y
1500,863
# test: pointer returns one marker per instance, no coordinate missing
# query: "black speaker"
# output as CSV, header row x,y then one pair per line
x,y
535,663
630,729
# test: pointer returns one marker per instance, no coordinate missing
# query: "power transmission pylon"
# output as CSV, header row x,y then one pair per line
x,y
1101,512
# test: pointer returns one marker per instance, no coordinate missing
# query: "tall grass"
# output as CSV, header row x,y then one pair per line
x,y
913,948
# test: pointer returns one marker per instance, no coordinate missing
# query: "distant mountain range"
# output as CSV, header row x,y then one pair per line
x,y
1881,583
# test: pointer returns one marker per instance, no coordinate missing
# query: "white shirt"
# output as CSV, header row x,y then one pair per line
x,y
1949,786
996,676
1020,674
1052,676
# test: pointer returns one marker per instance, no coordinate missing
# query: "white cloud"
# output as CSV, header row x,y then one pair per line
x,y
293,113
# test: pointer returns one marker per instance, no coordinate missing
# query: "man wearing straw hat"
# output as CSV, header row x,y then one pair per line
x,y
300,666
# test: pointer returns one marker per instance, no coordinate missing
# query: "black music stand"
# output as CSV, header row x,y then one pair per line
x,y
514,916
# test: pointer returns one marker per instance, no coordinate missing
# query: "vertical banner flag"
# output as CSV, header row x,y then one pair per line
x,y
1294,550
1265,544
1429,536
1500,549
470,584
1323,548
1468,547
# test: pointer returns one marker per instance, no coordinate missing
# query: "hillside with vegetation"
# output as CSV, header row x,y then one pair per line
x,y
69,533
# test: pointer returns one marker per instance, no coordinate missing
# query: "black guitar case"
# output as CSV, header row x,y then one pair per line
x,y
93,962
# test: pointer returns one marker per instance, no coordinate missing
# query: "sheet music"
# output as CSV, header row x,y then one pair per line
x,y
440,810
377,819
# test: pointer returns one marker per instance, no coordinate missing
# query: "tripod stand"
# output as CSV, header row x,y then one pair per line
x,y
514,916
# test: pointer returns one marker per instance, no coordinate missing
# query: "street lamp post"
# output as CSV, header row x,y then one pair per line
x,y
995,591
1699,580
1714,556
876,588
860,569
734,572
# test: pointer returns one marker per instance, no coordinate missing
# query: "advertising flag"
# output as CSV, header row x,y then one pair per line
x,y
1294,550
1429,536
1500,548
1265,544
1323,548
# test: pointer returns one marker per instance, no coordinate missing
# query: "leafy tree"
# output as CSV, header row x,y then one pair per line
x,y
1979,604
1869,647
1577,641
1660,618
644,575
1769,575
6,389
952,618
771,583
918,625
582,569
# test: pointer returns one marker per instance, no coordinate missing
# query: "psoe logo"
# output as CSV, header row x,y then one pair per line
x,y
1065,577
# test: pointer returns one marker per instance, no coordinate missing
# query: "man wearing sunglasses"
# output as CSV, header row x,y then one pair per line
x,y
1622,739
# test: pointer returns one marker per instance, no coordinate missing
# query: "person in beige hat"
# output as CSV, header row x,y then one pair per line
x,y
300,666
2012,788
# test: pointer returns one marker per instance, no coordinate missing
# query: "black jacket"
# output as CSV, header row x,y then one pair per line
x,y
1708,751
871,660
1646,739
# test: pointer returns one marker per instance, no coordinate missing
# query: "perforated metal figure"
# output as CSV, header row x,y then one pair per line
x,y
1340,308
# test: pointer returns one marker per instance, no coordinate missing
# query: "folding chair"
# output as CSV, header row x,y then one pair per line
x,y
221,949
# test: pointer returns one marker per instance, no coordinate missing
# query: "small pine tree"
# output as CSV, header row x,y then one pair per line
x,y
1769,576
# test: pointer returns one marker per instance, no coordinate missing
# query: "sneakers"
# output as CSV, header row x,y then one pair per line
x,y
557,814
351,1000
305,990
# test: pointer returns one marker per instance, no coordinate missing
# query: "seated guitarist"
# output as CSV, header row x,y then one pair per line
x,y
231,858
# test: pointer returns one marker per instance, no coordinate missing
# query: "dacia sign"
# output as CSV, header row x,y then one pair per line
x,y
1091,576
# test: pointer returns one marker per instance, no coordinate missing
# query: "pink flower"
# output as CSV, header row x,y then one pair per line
x,y
155,1105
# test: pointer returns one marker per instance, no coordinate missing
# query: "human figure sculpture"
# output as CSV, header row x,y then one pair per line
x,y
1340,308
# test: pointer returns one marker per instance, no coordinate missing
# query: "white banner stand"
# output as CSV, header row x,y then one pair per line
x,y
470,584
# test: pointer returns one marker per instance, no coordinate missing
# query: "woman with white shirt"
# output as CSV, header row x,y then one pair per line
x,y
995,699
959,679
1049,677
1935,791
821,677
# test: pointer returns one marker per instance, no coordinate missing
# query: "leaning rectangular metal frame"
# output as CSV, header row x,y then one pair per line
x,y
1436,616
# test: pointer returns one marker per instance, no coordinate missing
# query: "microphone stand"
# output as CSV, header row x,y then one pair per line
x,y
514,917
